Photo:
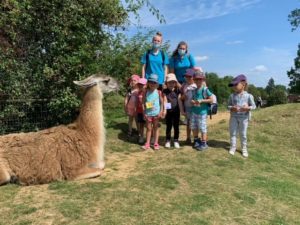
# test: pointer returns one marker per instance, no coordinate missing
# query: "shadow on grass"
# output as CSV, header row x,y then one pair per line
x,y
219,144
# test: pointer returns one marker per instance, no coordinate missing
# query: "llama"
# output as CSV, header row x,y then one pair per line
x,y
66,152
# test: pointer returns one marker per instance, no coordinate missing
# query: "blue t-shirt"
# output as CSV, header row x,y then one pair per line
x,y
181,64
198,95
152,103
155,65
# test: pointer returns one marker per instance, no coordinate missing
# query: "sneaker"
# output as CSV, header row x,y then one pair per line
x,y
141,140
245,152
168,144
176,144
202,147
232,151
146,146
197,143
156,146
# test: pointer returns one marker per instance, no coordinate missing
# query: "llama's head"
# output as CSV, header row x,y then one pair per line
x,y
107,84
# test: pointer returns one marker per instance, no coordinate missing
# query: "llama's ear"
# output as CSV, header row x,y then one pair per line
x,y
90,81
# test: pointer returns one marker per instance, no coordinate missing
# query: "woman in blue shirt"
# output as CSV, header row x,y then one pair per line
x,y
155,61
181,60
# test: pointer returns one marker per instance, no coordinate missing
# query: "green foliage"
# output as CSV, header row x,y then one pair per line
x,y
219,86
294,18
294,74
277,96
45,45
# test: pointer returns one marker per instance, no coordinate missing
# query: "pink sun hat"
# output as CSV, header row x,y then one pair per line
x,y
142,81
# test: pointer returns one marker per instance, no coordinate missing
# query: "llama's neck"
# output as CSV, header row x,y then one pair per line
x,y
91,114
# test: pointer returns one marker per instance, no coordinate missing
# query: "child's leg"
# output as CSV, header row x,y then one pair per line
x,y
148,132
156,131
168,126
176,119
233,127
130,121
203,128
243,125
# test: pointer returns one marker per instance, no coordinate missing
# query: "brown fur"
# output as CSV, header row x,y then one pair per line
x,y
67,152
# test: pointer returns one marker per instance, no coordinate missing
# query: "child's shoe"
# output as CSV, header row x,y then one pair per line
x,y
146,146
232,151
176,144
197,143
156,146
203,146
245,152
168,144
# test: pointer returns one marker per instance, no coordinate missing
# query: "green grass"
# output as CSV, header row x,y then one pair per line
x,y
178,186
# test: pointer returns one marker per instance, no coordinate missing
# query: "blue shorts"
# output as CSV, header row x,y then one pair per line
x,y
198,122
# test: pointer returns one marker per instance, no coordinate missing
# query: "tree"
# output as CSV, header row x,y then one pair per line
x,y
294,75
270,86
45,45
294,18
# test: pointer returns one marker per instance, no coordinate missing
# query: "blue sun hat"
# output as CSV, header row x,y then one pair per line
x,y
153,78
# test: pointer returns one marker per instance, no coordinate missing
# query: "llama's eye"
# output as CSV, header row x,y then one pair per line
x,y
106,81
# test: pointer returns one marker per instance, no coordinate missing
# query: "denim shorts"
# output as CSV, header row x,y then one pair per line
x,y
198,122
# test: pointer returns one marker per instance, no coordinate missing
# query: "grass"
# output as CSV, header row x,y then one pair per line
x,y
177,186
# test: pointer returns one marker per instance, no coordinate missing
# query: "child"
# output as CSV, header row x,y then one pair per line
x,y
130,102
199,111
185,99
139,109
239,103
171,94
153,111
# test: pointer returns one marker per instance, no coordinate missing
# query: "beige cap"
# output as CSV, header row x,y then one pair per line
x,y
171,77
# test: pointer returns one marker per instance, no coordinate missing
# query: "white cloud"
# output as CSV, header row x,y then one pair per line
x,y
179,11
201,58
237,42
260,68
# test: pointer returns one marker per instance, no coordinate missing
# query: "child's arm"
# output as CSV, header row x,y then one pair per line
x,y
180,103
250,106
231,107
125,102
163,100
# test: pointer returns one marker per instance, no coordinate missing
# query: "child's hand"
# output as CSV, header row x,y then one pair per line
x,y
245,108
183,113
193,102
234,108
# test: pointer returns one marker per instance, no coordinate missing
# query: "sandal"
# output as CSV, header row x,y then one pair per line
x,y
146,146
156,146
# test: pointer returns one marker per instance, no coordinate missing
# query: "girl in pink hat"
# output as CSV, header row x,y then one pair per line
x,y
139,109
130,102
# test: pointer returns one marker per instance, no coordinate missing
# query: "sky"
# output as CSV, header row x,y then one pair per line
x,y
231,37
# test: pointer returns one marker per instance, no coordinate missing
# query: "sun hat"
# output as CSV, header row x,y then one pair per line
x,y
142,81
153,78
171,77
198,68
237,80
199,75
189,72
135,77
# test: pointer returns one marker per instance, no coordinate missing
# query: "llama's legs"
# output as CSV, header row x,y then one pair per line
x,y
87,172
4,176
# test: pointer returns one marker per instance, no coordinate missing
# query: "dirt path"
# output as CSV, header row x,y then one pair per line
x,y
120,165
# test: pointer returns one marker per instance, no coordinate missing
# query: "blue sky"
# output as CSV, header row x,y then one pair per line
x,y
231,37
